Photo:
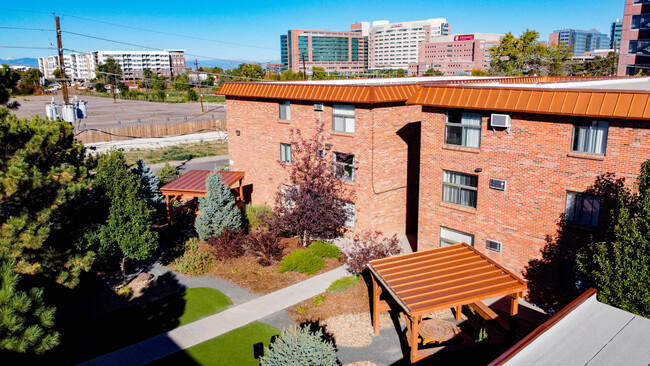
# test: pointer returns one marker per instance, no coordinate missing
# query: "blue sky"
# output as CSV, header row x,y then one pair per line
x,y
260,23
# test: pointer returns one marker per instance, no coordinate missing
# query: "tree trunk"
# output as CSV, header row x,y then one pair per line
x,y
305,238
122,265
113,90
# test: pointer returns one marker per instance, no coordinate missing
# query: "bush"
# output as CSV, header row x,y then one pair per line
x,y
265,246
100,88
194,262
229,244
167,174
343,284
191,96
297,347
324,249
303,261
256,216
368,246
125,291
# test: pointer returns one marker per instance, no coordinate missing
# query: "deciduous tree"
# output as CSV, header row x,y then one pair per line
x,y
111,72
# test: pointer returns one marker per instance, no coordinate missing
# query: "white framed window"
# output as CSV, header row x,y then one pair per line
x,y
590,137
451,236
581,209
285,153
344,166
459,188
343,118
463,129
350,214
285,110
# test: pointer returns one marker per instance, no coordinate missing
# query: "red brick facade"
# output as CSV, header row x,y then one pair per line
x,y
535,159
380,144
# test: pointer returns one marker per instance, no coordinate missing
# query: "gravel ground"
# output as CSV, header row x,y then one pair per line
x,y
154,142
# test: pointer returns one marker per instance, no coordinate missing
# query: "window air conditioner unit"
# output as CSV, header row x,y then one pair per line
x,y
493,245
318,107
499,184
500,120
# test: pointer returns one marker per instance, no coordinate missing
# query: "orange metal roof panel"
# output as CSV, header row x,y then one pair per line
x,y
570,102
425,280
194,181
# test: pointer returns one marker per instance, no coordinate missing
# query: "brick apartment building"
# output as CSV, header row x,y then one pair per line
x,y
429,157
635,39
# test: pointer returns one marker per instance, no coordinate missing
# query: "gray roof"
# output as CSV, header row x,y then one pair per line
x,y
592,334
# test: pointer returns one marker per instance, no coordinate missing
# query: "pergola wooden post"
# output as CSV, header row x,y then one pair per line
x,y
437,279
193,184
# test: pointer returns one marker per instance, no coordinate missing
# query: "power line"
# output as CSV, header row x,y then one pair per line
x,y
30,48
25,28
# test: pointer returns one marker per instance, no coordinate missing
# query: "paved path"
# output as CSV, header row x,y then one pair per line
x,y
207,328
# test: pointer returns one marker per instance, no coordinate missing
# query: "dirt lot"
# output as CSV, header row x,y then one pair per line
x,y
102,112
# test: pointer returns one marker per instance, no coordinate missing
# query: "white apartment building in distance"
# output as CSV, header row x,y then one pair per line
x,y
82,66
395,45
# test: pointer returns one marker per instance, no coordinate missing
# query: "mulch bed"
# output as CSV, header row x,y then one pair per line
x,y
247,273
354,300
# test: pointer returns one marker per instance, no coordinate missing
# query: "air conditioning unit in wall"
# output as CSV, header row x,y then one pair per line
x,y
500,120
493,245
319,107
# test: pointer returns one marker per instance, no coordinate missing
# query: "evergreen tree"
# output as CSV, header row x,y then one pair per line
x,y
124,231
218,211
150,184
167,174
43,178
618,266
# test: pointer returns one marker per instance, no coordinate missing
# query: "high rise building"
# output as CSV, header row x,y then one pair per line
x,y
580,41
334,51
395,45
455,55
82,66
635,42
615,34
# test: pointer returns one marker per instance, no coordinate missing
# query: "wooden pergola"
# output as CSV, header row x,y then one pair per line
x,y
193,185
436,279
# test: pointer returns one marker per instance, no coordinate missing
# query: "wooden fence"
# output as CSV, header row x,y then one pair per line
x,y
152,130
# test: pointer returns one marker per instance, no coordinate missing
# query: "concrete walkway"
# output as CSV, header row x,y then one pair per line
x,y
207,328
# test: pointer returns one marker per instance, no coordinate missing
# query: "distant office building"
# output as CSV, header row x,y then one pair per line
x,y
455,55
395,45
82,66
580,41
334,51
615,34
275,68
635,51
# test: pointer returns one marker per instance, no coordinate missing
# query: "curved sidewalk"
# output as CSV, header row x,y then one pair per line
x,y
212,326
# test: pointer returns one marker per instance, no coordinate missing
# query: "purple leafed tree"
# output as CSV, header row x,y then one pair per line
x,y
313,204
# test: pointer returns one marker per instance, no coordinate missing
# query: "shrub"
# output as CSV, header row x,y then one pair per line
x,y
324,249
265,246
343,284
125,291
194,262
256,216
191,96
300,346
318,299
368,246
167,174
218,211
303,261
228,244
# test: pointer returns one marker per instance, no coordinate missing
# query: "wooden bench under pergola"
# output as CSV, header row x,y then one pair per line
x,y
193,185
436,279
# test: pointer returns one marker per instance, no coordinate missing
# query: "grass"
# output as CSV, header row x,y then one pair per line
x,y
342,284
178,152
137,323
233,348
174,96
253,215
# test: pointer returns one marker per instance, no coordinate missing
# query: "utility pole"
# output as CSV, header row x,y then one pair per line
x,y
61,62
198,80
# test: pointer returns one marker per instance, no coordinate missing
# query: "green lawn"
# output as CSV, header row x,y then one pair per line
x,y
178,152
128,326
233,348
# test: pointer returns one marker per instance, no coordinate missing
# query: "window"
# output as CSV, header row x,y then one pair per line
x,y
450,236
590,137
459,188
285,111
285,153
344,166
350,214
581,209
343,118
463,128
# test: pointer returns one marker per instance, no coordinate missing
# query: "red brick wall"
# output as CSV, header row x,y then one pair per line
x,y
380,153
535,160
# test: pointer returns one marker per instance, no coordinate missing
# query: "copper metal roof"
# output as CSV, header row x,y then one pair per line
x,y
444,277
369,94
194,181
571,102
